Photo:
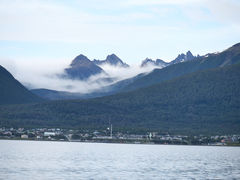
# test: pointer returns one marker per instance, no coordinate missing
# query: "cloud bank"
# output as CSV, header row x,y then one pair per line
x,y
45,74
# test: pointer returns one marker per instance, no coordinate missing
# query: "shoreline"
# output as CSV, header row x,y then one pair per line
x,y
99,142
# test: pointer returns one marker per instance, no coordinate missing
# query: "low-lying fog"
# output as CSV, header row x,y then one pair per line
x,y
37,73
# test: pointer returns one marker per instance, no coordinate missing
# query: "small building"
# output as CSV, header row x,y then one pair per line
x,y
49,134
24,136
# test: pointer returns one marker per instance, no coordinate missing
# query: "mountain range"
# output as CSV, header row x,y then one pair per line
x,y
82,68
197,96
183,64
212,60
159,62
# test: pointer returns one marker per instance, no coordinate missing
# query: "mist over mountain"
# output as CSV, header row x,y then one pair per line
x,y
116,79
84,79
82,68
81,76
95,86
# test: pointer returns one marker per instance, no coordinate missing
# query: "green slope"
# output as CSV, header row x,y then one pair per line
x,y
13,92
225,58
206,102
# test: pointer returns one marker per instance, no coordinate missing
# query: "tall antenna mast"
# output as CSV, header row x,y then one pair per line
x,y
110,127
111,132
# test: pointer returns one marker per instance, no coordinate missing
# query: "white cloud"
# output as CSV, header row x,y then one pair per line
x,y
227,11
51,21
134,29
43,21
9,64
121,73
45,73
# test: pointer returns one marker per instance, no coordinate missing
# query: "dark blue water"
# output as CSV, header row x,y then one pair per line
x,y
68,160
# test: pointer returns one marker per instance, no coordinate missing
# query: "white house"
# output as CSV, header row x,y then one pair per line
x,y
49,134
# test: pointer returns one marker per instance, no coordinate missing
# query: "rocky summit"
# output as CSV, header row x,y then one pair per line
x,y
82,68
112,60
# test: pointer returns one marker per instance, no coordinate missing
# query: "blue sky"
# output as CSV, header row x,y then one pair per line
x,y
57,30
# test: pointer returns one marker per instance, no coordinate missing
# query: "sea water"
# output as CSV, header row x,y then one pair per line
x,y
73,160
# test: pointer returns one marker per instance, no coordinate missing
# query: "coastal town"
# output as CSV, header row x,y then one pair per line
x,y
107,136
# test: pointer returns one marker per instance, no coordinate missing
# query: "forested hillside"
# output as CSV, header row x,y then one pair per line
x,y
203,102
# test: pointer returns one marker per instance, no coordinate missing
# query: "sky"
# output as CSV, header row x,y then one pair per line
x,y
45,35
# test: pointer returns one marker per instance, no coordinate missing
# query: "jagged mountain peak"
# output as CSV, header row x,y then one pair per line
x,y
113,56
147,62
157,62
80,60
189,53
183,57
189,56
82,68
112,60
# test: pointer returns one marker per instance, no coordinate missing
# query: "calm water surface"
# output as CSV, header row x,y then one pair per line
x,y
68,160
